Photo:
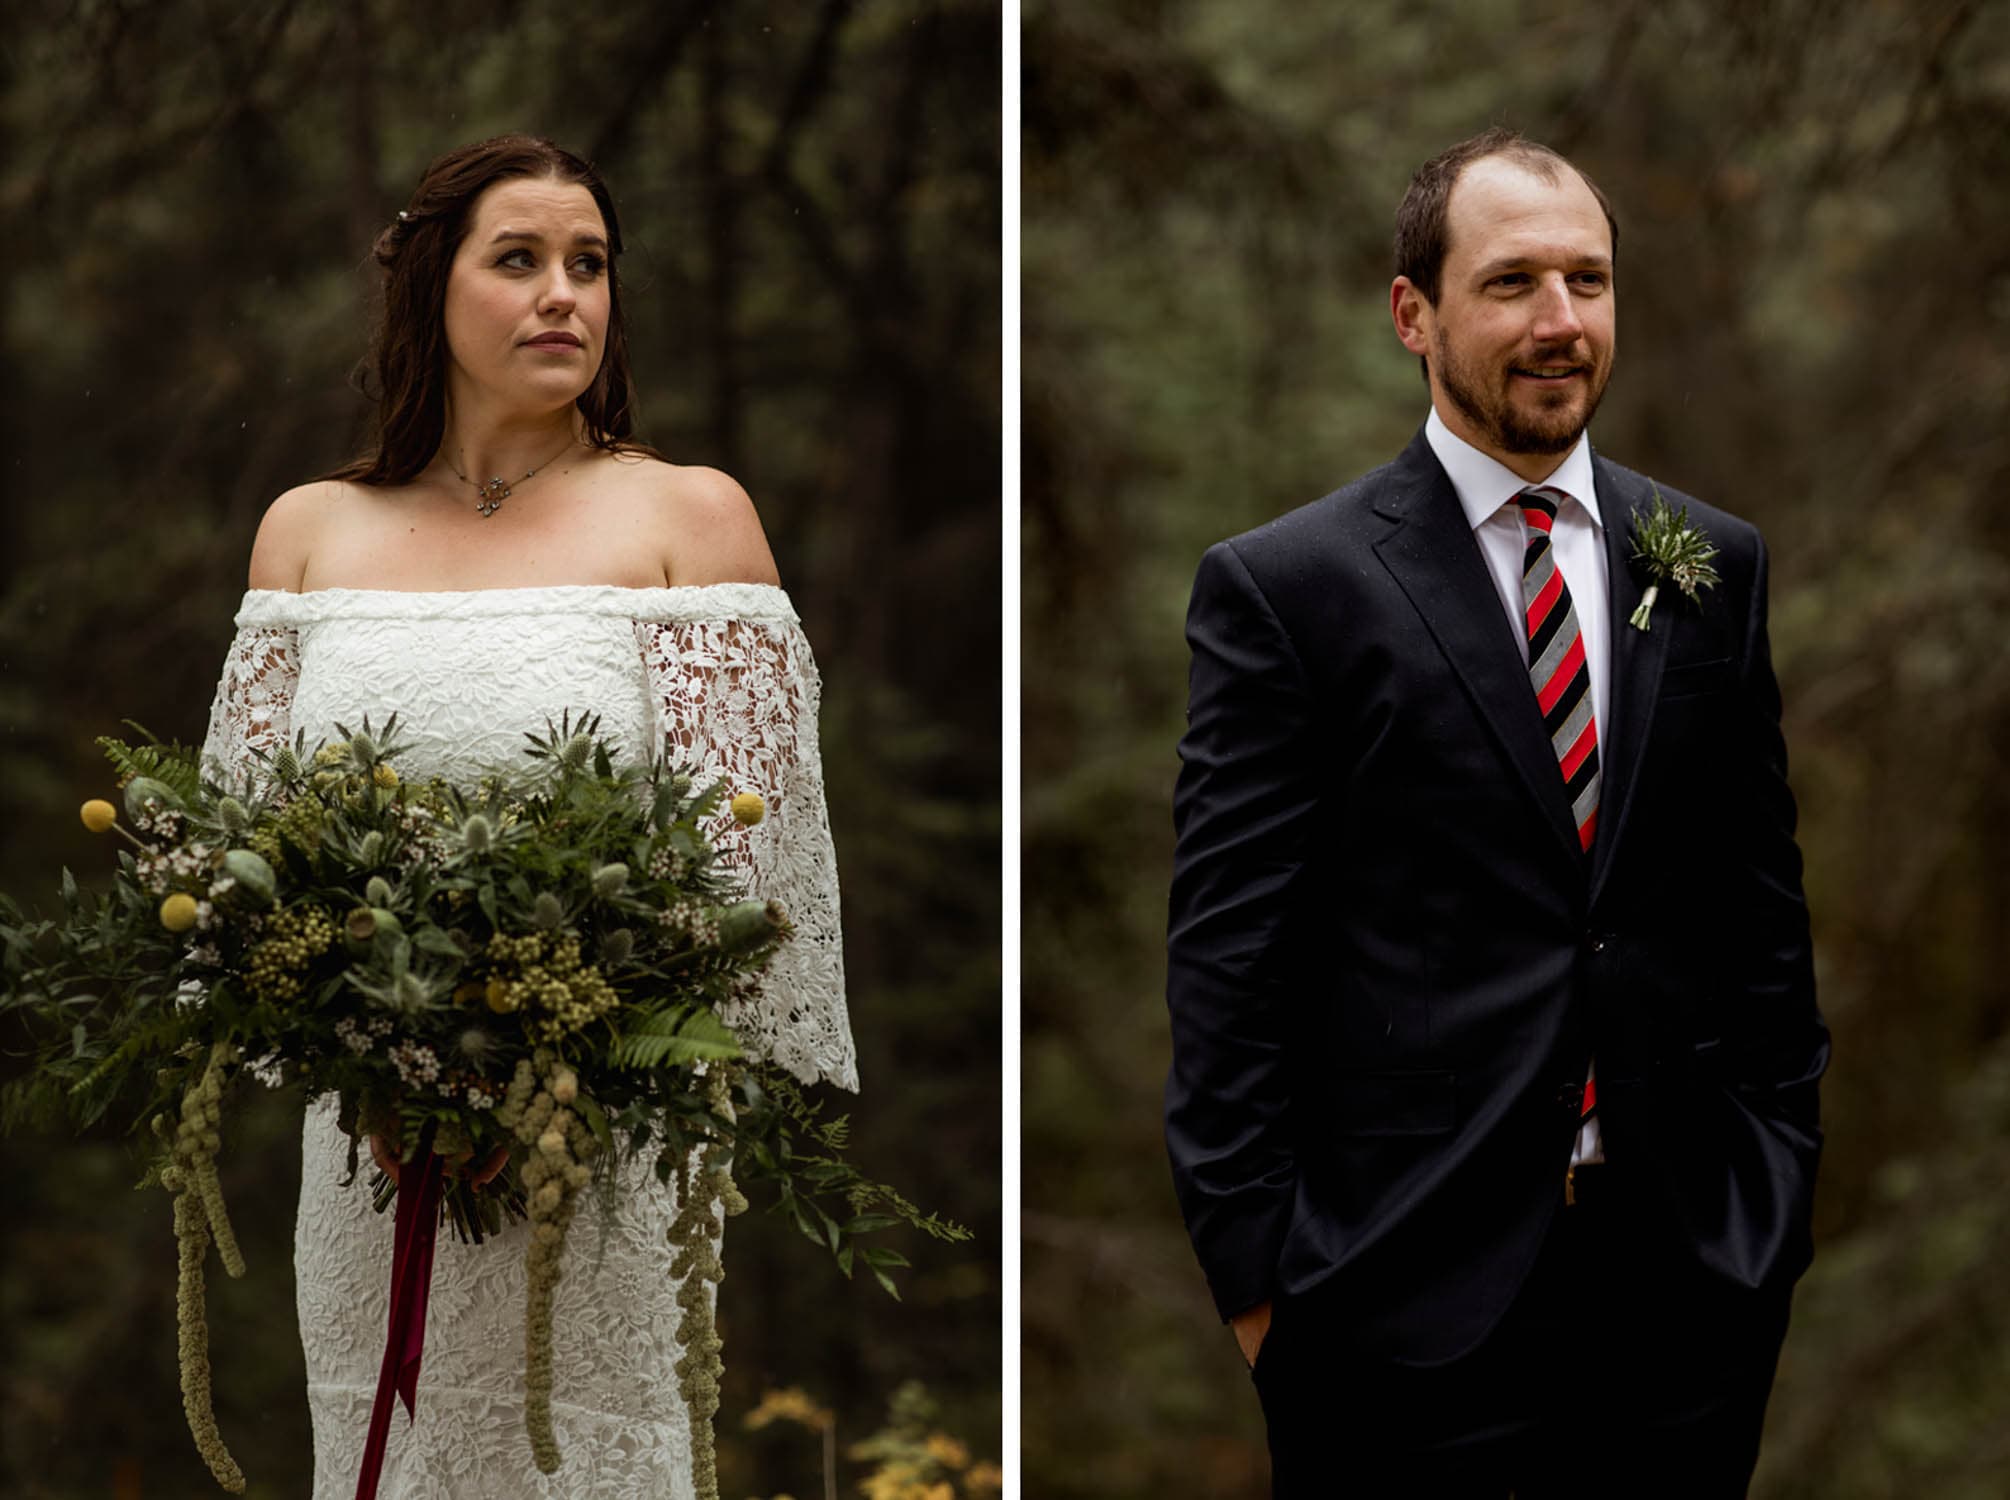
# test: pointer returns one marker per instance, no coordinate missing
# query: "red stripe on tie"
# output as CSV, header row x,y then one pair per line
x,y
1565,670
1538,520
1538,608
1586,829
1590,1096
1586,743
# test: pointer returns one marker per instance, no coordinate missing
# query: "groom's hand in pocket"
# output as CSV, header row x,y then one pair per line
x,y
1251,1326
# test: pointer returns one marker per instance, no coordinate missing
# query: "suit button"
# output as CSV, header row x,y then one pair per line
x,y
1598,942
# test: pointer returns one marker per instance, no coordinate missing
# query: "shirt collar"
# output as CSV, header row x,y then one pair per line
x,y
1484,484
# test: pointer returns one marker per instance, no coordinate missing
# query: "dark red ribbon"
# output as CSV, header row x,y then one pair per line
x,y
421,1183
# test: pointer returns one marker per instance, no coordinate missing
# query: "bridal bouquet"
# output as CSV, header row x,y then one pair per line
x,y
505,987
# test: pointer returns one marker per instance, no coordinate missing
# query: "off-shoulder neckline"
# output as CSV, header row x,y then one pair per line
x,y
523,588
689,601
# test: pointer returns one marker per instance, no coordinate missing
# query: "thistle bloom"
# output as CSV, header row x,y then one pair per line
x,y
99,815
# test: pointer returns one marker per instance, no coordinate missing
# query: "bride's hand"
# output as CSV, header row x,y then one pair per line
x,y
494,1162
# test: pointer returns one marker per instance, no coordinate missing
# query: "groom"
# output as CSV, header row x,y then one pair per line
x,y
1492,1108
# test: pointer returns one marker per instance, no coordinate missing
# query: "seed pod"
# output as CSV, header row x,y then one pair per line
x,y
142,790
252,874
748,924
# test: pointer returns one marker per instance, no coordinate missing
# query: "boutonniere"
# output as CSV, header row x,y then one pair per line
x,y
1673,552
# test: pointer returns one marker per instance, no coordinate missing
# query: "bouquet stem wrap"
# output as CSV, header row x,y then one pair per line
x,y
421,1184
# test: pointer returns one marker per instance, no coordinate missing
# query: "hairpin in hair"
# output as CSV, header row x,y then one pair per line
x,y
403,217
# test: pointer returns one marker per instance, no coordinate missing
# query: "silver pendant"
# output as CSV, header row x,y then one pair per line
x,y
493,494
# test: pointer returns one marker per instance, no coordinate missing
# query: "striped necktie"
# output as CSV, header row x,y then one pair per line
x,y
1561,677
1556,666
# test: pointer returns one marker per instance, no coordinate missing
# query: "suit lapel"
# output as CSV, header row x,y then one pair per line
x,y
1432,555
1637,657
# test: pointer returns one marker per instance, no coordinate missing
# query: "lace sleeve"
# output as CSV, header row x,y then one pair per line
x,y
737,699
253,707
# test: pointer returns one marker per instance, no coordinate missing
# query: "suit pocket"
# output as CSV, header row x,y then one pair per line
x,y
1694,677
1414,1102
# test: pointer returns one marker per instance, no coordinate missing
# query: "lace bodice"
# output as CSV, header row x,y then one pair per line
x,y
718,677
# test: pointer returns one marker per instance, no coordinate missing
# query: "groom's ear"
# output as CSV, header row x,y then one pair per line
x,y
1411,311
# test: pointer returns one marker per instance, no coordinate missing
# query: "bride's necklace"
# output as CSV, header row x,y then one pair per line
x,y
490,496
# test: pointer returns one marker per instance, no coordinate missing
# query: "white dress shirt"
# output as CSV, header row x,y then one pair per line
x,y
1487,491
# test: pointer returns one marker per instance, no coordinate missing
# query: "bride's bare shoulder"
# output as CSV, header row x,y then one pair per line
x,y
709,529
288,531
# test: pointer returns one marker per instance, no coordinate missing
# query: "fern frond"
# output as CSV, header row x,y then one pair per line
x,y
674,1037
174,766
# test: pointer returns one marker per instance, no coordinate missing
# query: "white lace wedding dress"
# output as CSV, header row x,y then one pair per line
x,y
719,677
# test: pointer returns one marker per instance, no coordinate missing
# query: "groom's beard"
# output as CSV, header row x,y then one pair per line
x,y
1489,404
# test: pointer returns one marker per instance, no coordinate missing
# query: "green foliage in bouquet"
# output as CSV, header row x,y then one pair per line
x,y
525,977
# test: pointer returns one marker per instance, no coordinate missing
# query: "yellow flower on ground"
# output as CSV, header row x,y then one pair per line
x,y
178,912
384,776
985,1476
98,814
749,809
790,1404
946,1451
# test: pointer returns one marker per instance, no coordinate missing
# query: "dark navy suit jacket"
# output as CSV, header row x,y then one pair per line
x,y
1389,962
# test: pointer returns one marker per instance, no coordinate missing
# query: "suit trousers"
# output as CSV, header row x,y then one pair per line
x,y
1622,1370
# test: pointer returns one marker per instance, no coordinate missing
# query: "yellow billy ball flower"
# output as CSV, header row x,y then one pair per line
x,y
98,814
749,809
178,912
384,776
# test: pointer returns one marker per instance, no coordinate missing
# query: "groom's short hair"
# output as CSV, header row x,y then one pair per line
x,y
1421,234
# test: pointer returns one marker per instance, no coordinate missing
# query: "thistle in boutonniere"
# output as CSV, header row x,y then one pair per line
x,y
1674,552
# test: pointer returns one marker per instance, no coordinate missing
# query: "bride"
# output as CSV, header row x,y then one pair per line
x,y
506,553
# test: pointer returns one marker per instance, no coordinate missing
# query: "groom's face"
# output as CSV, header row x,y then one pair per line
x,y
1521,339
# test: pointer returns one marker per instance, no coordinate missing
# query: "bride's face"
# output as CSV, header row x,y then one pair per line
x,y
527,299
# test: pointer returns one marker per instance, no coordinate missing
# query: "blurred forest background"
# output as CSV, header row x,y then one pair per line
x,y
1814,278
810,195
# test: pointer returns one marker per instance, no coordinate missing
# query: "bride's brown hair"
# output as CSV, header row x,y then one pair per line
x,y
408,343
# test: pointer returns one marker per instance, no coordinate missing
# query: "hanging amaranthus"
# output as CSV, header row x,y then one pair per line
x,y
561,1146
693,1236
199,1215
